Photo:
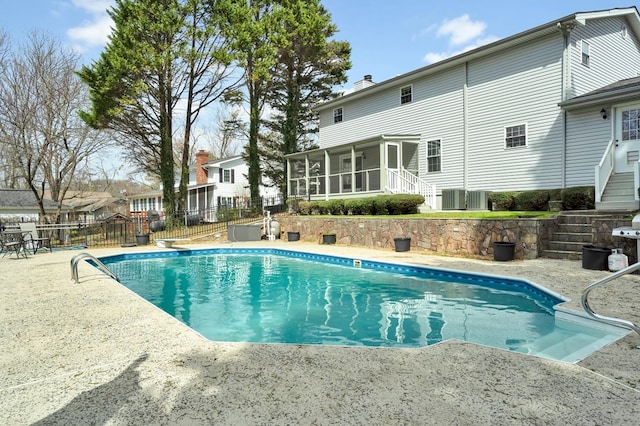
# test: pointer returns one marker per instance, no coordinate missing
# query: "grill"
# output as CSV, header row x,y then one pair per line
x,y
631,232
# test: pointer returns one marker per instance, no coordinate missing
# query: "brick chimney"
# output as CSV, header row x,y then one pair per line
x,y
202,158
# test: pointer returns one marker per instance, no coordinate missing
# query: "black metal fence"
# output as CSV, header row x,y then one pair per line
x,y
120,230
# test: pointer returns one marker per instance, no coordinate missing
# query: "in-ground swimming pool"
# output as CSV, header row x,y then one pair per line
x,y
283,296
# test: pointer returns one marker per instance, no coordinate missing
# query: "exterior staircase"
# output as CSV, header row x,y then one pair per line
x,y
619,194
574,230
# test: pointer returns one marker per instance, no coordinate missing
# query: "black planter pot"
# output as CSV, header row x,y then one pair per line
x,y
402,244
142,240
328,238
596,258
293,236
503,251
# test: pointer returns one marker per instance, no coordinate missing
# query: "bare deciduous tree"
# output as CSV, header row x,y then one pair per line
x,y
41,133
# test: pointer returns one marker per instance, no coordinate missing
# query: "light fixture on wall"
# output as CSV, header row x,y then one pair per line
x,y
603,113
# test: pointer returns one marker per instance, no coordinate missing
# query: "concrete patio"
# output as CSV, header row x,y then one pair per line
x,y
95,353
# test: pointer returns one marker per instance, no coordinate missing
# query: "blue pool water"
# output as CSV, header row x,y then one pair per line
x,y
281,296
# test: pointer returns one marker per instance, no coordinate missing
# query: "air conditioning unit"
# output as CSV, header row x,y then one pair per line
x,y
478,200
454,199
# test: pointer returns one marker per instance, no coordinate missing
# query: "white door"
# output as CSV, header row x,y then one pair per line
x,y
627,138
393,157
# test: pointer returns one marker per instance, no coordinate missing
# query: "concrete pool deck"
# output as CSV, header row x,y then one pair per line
x,y
95,353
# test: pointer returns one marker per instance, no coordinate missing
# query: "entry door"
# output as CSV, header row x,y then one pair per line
x,y
393,157
627,138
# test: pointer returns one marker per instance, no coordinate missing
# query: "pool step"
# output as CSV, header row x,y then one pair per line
x,y
566,345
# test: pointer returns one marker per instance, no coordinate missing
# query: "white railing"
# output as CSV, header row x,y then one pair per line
x,y
404,182
603,170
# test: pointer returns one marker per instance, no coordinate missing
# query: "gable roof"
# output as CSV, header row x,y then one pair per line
x,y
224,161
622,90
580,18
25,199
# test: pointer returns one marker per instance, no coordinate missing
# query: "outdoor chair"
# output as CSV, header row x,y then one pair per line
x,y
12,243
32,240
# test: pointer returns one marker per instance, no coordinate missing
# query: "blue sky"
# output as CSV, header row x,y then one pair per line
x,y
387,37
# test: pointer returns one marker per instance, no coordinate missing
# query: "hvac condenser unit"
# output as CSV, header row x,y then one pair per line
x,y
454,199
478,200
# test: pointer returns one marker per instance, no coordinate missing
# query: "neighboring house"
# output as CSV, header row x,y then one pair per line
x,y
212,185
17,205
89,206
552,107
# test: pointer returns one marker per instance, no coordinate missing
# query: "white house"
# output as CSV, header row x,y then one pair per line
x,y
552,107
213,184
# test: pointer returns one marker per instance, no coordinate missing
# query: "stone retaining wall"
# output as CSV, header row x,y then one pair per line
x,y
460,237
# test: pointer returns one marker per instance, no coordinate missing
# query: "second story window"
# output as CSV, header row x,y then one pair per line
x,y
337,115
586,53
515,136
406,94
226,176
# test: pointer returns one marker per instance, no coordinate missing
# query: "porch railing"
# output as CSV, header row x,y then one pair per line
x,y
603,170
405,182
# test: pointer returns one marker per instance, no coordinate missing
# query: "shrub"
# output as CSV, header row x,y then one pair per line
x,y
555,194
353,206
334,207
404,203
532,200
579,198
502,200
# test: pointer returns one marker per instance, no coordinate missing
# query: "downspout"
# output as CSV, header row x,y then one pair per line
x,y
465,127
565,29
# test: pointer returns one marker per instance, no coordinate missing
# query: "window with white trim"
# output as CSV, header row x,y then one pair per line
x,y
586,53
406,94
434,156
227,176
631,124
337,115
515,136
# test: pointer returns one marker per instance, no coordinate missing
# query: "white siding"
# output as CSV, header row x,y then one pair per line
x,y
518,86
514,86
612,57
587,137
434,113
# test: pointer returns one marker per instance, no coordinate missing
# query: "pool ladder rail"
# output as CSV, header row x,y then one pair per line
x,y
610,320
83,256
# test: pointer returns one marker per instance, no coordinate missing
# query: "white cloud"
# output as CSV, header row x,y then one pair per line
x,y
94,6
460,30
94,31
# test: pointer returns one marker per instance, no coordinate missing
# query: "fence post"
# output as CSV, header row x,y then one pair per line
x,y
86,234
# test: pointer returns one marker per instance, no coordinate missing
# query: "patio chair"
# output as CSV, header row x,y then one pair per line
x,y
12,243
32,240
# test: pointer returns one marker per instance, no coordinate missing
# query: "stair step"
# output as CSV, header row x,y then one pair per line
x,y
567,245
572,237
562,254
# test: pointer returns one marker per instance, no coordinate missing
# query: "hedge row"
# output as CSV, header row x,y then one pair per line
x,y
379,205
574,198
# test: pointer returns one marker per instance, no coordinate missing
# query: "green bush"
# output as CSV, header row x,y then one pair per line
x,y
555,194
532,200
335,207
353,206
502,200
579,198
404,203
378,205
